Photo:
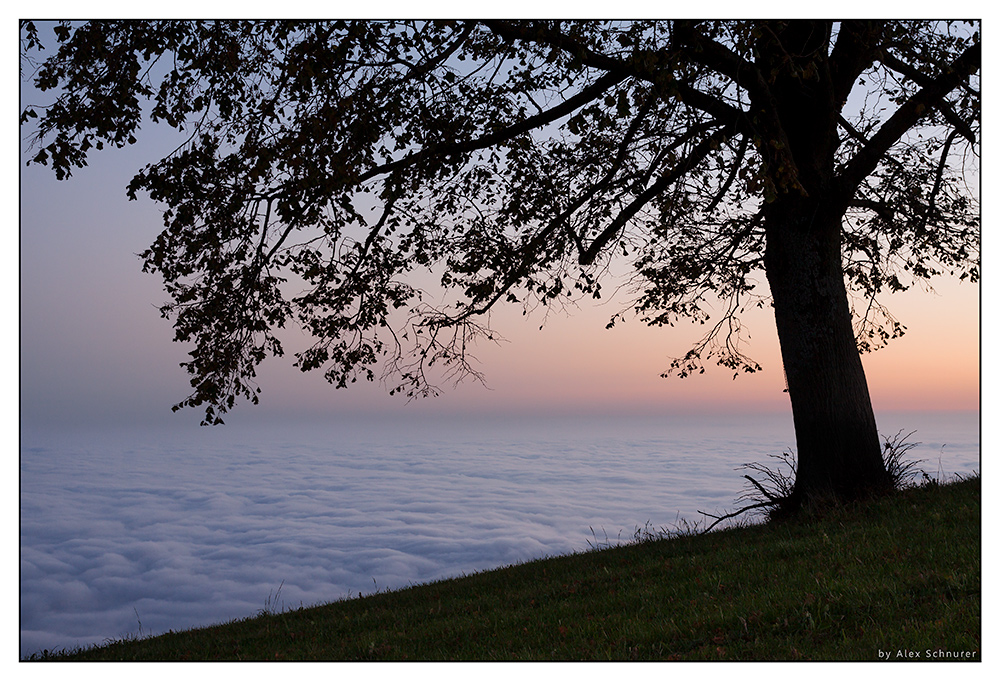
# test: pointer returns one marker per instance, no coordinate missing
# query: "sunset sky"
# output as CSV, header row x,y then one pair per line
x,y
125,507
94,349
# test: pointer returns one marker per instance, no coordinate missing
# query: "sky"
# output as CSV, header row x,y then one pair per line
x,y
93,347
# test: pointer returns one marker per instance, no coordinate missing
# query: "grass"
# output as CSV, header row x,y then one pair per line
x,y
895,576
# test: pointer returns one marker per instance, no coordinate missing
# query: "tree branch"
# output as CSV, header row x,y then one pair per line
x,y
425,67
938,177
859,136
733,514
911,111
586,95
852,54
746,75
538,239
651,67
616,165
698,154
880,208
922,79
737,164
538,32
373,235
722,60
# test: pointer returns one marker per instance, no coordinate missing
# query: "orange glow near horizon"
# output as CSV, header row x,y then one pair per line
x,y
93,343
574,365
933,366
936,364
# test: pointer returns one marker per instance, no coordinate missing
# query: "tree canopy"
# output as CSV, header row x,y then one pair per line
x,y
515,161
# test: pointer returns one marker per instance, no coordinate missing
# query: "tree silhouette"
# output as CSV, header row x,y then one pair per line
x,y
515,160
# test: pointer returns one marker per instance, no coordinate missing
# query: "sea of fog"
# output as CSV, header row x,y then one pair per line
x,y
139,531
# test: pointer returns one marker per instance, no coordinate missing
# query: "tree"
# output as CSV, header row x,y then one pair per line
x,y
515,160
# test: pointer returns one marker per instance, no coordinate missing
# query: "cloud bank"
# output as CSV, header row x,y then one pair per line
x,y
141,532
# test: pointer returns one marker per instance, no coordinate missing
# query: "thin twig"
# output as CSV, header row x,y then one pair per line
x,y
771,497
727,516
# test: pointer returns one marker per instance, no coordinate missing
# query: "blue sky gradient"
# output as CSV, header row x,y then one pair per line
x,y
94,349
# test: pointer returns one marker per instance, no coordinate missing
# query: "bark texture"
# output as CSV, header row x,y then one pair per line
x,y
839,453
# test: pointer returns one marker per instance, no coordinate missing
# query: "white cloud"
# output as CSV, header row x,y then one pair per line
x,y
120,530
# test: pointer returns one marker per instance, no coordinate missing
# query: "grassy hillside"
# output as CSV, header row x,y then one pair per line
x,y
898,577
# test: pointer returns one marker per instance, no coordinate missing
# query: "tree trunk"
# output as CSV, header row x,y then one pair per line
x,y
839,453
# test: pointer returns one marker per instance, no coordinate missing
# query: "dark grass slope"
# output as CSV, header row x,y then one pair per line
x,y
899,576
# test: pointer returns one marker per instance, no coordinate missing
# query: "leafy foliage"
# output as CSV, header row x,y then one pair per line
x,y
331,165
